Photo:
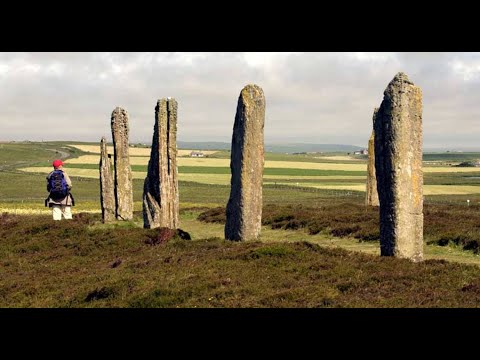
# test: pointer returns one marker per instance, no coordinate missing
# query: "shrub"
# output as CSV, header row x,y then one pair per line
x,y
98,294
344,230
164,235
215,215
443,224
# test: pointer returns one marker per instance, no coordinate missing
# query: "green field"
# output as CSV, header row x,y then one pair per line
x,y
316,171
291,179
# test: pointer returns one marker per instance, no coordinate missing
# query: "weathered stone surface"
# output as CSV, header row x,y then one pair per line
x,y
244,207
160,191
107,188
123,171
372,194
398,164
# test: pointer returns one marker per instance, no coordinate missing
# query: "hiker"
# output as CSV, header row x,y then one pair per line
x,y
59,198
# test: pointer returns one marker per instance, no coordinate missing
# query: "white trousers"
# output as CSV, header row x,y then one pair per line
x,y
59,210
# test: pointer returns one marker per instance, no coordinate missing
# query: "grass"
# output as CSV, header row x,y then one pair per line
x,y
87,190
444,225
95,159
86,264
451,190
301,177
215,170
13,155
225,163
301,170
451,157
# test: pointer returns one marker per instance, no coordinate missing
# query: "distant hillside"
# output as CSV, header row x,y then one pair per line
x,y
279,148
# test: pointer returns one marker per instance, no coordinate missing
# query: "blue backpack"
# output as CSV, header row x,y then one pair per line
x,y
57,185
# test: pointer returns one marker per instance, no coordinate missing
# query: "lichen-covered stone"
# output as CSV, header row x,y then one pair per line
x,y
398,163
244,207
123,171
107,191
372,194
160,190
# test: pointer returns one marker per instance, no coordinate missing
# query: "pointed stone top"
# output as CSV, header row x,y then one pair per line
x,y
103,147
401,77
251,87
252,91
119,110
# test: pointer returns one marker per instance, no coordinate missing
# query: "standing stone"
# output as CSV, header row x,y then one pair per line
x,y
398,162
372,194
244,208
107,192
123,172
160,191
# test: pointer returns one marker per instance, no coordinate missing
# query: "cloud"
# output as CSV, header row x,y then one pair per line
x,y
311,97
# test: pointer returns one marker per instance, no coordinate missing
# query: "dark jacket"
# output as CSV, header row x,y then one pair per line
x,y
66,201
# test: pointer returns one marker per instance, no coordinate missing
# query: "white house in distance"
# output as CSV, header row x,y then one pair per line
x,y
361,152
196,154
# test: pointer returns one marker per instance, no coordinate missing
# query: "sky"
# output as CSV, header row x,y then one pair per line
x,y
323,98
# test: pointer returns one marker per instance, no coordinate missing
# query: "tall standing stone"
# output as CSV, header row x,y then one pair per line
x,y
107,192
123,172
372,193
398,162
160,191
244,207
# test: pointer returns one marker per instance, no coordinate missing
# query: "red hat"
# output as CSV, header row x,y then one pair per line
x,y
57,163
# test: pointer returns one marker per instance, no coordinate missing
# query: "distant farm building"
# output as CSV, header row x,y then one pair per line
x,y
196,154
361,152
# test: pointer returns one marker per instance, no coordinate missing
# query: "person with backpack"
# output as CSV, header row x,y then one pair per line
x,y
59,198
